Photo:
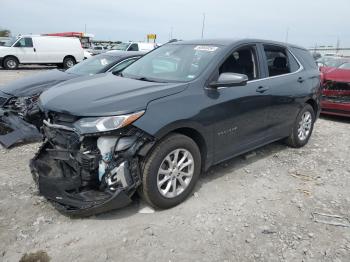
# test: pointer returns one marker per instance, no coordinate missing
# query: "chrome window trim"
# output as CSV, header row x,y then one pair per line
x,y
301,68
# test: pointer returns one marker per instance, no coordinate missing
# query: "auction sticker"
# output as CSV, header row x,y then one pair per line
x,y
206,48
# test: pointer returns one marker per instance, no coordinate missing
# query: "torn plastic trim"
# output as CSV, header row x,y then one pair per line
x,y
68,177
14,130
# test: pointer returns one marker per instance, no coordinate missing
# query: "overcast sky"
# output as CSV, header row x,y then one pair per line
x,y
308,22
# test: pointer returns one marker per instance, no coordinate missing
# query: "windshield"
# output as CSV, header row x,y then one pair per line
x,y
345,66
331,61
10,42
121,46
93,65
172,63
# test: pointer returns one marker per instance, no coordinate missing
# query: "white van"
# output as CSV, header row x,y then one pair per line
x,y
63,51
135,46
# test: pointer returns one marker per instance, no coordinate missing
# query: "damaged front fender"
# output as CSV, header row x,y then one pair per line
x,y
13,130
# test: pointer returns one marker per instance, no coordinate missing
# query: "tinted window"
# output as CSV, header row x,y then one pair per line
x,y
133,47
25,42
345,66
242,61
277,60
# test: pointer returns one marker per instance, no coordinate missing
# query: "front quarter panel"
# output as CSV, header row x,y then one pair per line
x,y
182,110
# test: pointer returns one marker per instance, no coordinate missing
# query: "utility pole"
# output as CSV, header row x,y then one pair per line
x,y
287,35
171,33
203,25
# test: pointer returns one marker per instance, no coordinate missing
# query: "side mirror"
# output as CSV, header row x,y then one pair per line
x,y
229,79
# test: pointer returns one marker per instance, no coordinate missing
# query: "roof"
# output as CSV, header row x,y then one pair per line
x,y
231,41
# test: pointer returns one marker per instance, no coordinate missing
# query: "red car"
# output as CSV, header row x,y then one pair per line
x,y
336,91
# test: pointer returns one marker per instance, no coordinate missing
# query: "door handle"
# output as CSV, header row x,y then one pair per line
x,y
262,89
34,49
300,80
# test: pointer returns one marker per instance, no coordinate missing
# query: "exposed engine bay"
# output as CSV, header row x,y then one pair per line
x,y
92,173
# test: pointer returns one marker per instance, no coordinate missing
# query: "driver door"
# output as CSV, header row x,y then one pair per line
x,y
25,50
241,112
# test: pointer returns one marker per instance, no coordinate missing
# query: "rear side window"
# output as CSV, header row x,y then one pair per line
x,y
25,42
305,57
277,59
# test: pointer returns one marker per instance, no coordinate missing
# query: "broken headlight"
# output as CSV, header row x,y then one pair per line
x,y
102,124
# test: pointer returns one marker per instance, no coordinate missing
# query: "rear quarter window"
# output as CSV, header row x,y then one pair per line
x,y
305,57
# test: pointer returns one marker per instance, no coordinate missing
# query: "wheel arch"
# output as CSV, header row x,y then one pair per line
x,y
313,104
191,131
14,56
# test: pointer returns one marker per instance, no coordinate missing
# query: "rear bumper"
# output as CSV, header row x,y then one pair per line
x,y
335,108
14,129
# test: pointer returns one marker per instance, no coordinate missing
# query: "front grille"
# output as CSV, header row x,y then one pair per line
x,y
333,85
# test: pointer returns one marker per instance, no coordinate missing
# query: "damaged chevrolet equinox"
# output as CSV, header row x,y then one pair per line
x,y
173,113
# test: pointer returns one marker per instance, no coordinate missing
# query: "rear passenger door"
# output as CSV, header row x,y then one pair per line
x,y
284,83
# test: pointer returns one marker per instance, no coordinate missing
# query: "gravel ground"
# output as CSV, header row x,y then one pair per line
x,y
273,204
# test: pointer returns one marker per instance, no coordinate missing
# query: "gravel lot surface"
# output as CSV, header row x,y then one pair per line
x,y
273,204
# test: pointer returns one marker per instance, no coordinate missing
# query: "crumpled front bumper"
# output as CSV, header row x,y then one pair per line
x,y
67,193
13,130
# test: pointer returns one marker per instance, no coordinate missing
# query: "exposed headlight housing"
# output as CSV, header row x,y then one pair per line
x,y
103,124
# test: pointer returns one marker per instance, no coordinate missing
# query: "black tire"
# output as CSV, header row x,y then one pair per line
x,y
10,63
152,163
68,62
294,140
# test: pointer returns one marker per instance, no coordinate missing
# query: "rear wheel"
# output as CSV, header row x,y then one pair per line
x,y
302,128
171,171
10,63
68,62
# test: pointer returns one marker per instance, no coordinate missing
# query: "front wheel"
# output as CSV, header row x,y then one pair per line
x,y
171,171
10,63
302,128
68,62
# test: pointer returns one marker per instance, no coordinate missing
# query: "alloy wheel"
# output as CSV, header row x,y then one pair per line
x,y
175,173
305,125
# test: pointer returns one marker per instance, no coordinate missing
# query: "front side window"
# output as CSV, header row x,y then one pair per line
x,y
277,60
24,42
93,65
173,63
242,61
133,47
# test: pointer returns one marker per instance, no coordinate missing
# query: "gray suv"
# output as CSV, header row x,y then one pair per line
x,y
169,116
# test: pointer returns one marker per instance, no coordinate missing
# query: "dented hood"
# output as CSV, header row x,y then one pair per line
x,y
37,83
105,95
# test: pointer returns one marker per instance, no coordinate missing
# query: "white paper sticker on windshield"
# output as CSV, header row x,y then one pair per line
x,y
206,48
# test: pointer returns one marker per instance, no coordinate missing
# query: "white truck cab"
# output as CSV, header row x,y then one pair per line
x,y
32,49
135,46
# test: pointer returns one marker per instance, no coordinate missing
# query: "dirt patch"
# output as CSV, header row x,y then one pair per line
x,y
262,207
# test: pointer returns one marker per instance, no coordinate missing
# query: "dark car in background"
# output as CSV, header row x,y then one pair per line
x,y
336,91
19,114
174,112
